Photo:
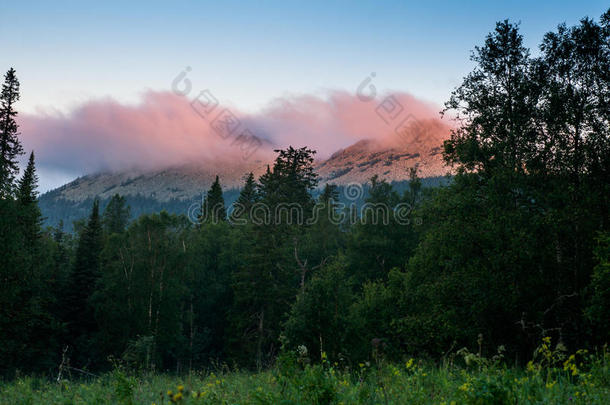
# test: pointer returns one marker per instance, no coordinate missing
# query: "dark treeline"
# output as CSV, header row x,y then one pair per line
x,y
56,210
515,248
72,214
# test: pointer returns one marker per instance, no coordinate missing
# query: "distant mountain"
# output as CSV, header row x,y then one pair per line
x,y
177,188
179,182
361,161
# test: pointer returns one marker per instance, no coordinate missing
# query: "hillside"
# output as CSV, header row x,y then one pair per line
x,y
176,188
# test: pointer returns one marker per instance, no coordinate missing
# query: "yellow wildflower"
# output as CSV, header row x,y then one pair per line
x,y
465,387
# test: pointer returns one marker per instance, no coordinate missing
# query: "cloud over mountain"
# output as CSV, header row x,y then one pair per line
x,y
165,129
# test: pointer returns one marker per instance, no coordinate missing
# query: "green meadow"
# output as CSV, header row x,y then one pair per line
x,y
553,377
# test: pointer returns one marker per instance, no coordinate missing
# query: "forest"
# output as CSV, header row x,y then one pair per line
x,y
508,261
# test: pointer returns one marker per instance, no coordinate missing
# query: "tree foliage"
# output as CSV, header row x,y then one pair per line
x,y
10,146
514,248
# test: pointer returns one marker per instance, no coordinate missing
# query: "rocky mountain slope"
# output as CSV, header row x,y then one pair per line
x,y
354,164
175,188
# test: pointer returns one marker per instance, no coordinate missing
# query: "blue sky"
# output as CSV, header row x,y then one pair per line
x,y
248,53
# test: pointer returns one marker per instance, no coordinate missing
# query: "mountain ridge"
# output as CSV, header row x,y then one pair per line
x,y
357,163
177,187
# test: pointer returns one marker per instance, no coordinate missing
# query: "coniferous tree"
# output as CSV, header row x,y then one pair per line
x,y
269,278
116,215
61,256
60,271
31,219
213,208
248,196
24,292
23,314
10,147
329,194
212,257
85,274
26,186
377,243
290,182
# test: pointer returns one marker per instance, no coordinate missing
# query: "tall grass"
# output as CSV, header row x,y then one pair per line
x,y
552,377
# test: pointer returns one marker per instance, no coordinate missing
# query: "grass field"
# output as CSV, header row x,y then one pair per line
x,y
552,378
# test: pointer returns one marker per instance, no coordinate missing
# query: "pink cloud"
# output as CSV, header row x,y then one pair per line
x,y
165,130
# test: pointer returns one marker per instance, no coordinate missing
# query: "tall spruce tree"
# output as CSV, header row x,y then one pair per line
x,y
10,147
60,269
25,299
248,196
26,186
80,313
268,278
30,218
291,180
213,209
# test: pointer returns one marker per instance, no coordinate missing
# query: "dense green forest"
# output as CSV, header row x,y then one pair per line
x,y
516,248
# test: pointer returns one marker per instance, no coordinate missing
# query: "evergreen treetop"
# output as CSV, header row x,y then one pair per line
x,y
10,147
